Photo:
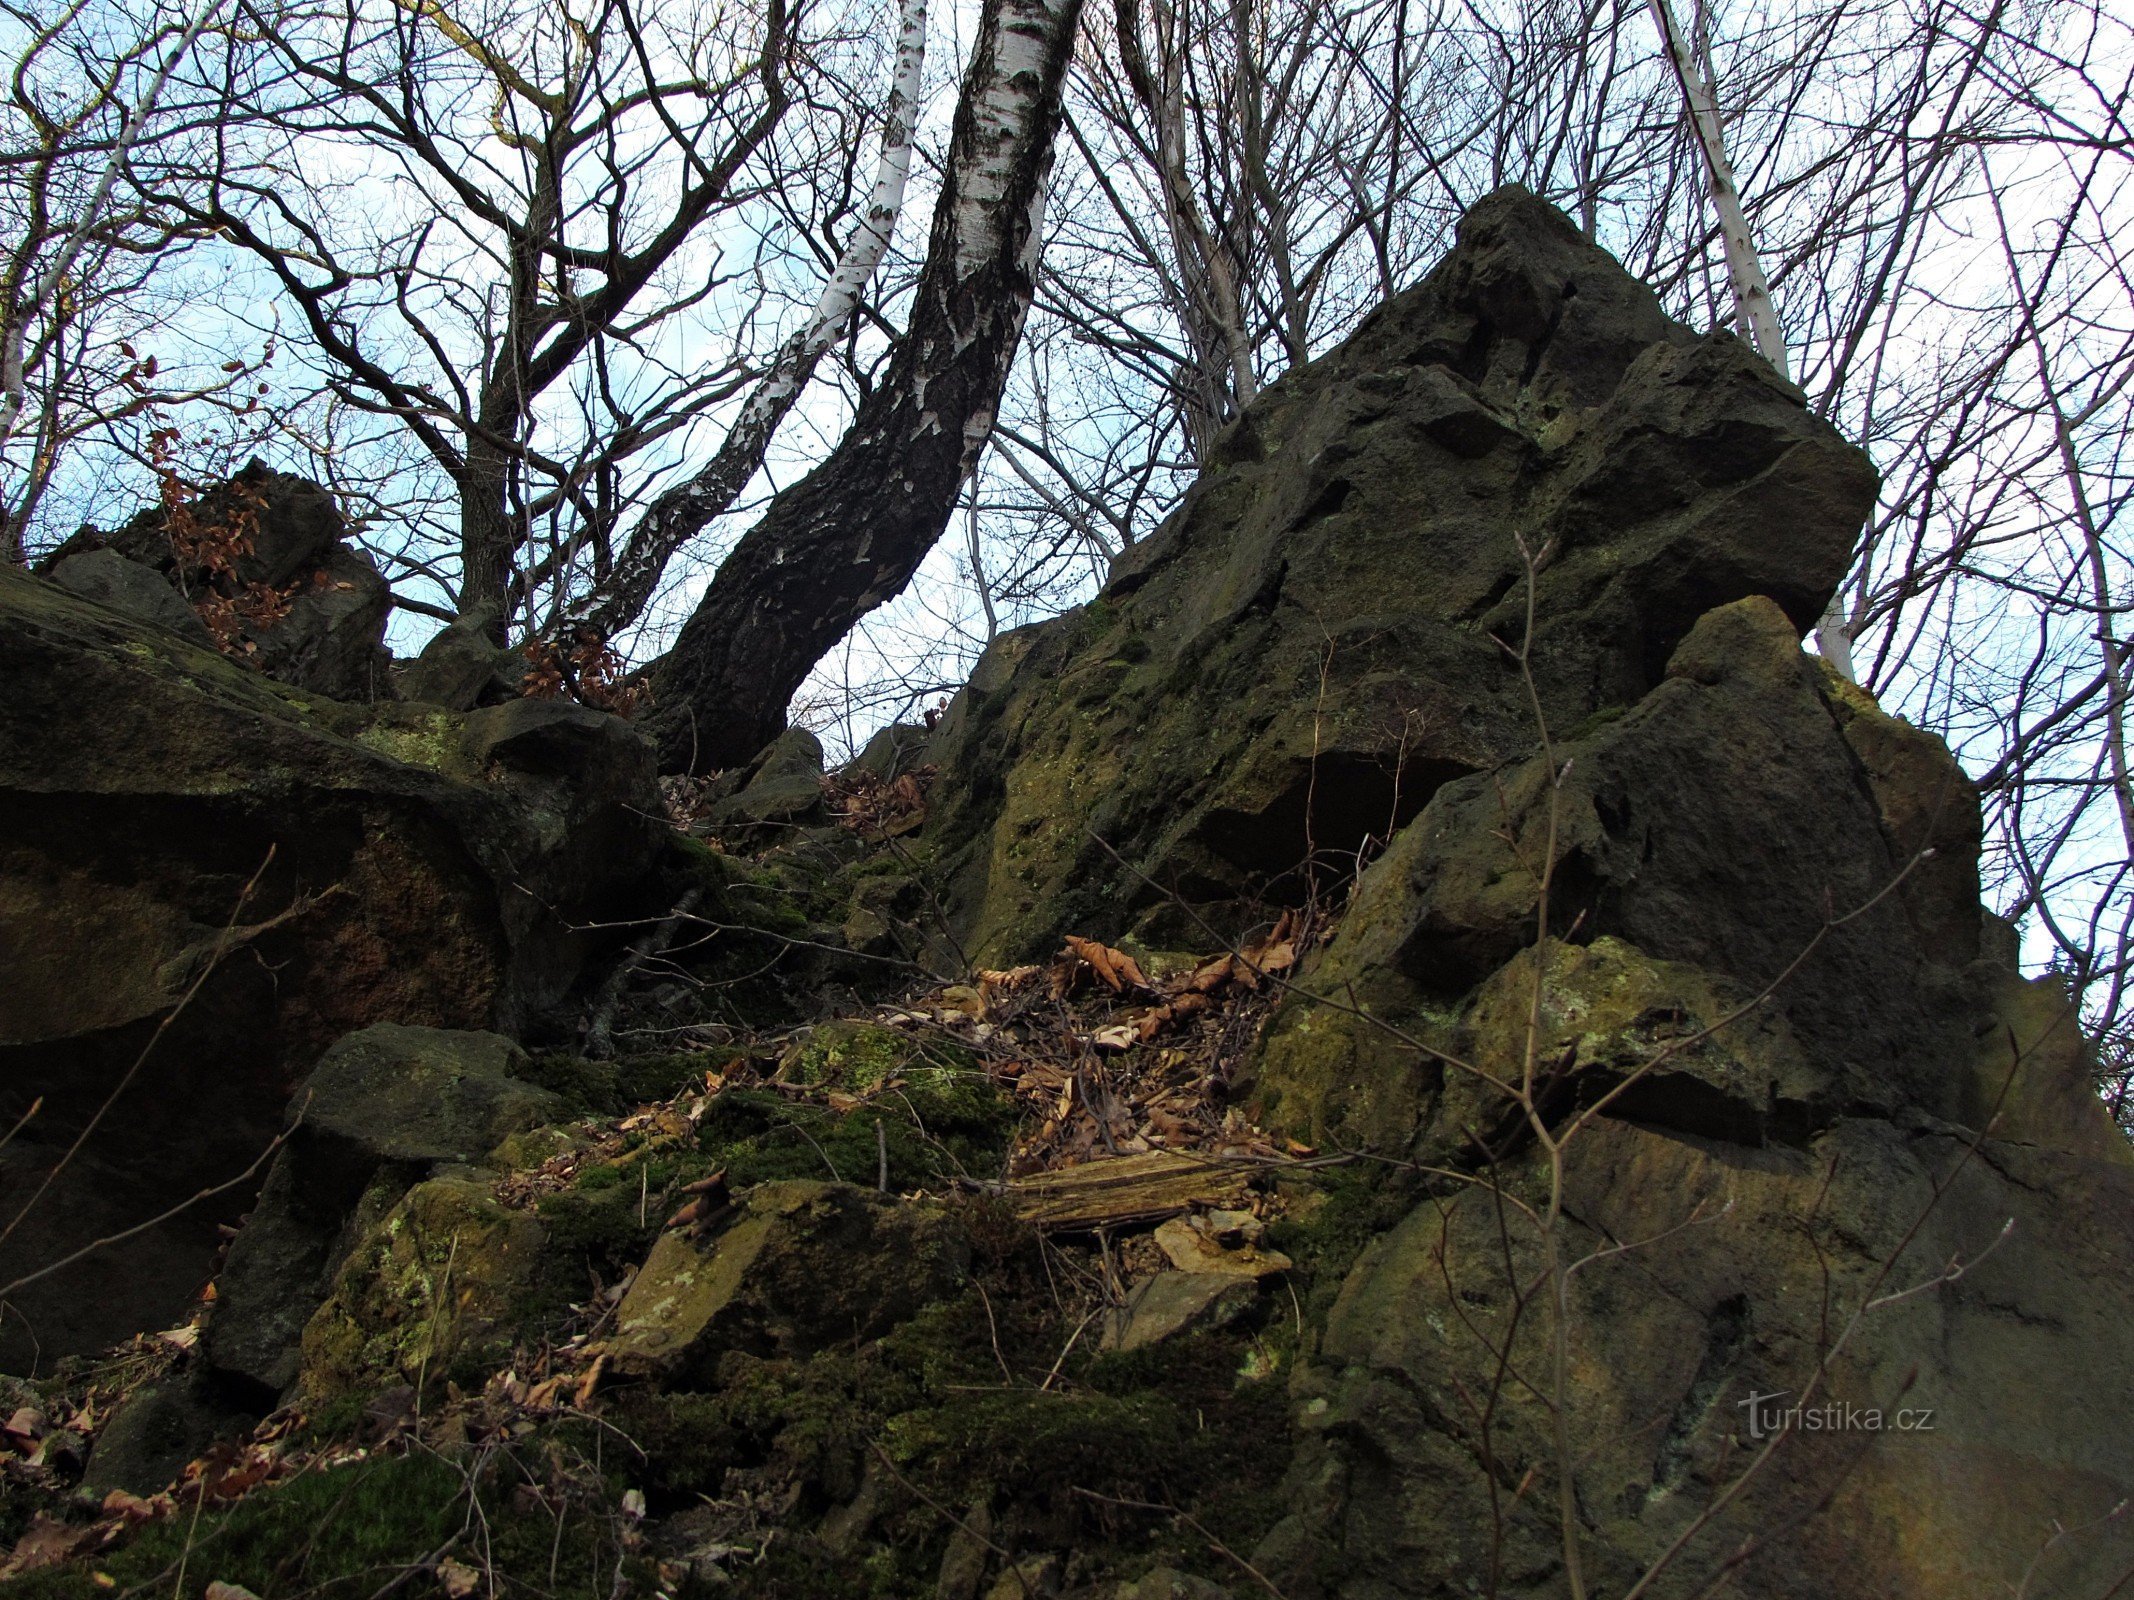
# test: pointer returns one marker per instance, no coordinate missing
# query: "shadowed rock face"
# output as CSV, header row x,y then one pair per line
x,y
1726,914
1759,944
1315,641
411,867
325,632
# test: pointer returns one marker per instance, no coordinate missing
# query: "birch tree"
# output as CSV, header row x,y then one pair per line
x,y
618,596
851,534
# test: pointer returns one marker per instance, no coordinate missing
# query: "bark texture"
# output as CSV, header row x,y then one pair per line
x,y
850,535
686,510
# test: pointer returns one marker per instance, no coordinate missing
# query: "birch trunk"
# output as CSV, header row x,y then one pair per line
x,y
684,511
850,535
1745,272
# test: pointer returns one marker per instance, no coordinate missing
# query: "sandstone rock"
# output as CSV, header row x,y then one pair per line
x,y
804,1266
1715,825
331,639
785,787
326,637
435,1288
155,1432
1194,1248
1744,1266
1167,1304
139,591
384,1107
1309,647
143,784
892,750
462,667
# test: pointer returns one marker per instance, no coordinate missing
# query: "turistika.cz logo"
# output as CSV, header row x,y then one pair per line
x,y
1768,1416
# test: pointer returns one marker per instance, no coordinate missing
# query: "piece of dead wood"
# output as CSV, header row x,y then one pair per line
x,y
1137,1188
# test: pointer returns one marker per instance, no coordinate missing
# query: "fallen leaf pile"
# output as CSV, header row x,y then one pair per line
x,y
1109,1062
876,807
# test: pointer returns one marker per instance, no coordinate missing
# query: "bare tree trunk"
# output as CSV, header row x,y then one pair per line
x,y
1745,272
851,533
684,511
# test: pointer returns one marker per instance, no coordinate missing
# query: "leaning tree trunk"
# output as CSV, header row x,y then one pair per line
x,y
685,510
849,535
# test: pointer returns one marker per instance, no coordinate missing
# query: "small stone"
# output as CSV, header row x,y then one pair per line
x,y
1172,1303
1191,1248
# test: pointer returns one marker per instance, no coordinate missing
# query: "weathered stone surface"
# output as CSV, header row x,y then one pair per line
x,y
804,1266
143,784
326,635
1193,1247
463,667
154,1433
1715,825
139,591
785,787
436,1287
1311,645
894,749
384,1107
331,640
1166,1304
1746,1267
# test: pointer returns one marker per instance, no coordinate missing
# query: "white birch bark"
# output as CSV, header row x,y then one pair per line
x,y
1745,272
849,535
677,515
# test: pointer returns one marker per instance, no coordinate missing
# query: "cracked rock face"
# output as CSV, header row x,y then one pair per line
x,y
405,865
1730,907
1316,640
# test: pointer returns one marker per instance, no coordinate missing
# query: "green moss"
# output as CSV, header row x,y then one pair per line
x,y
341,1533
439,1289
937,1125
427,739
326,1533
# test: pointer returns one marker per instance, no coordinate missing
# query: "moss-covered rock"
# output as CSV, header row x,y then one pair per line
x,y
802,1266
1709,1272
440,1288
1316,640
1719,824
173,818
385,1107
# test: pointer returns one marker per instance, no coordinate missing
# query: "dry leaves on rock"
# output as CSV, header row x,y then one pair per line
x,y
878,807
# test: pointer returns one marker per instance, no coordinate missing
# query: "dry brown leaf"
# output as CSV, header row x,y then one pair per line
x,y
1117,970
1212,975
46,1543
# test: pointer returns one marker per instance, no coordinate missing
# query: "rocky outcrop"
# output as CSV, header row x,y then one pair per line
x,y
1324,633
797,1267
264,553
463,667
1662,979
207,877
384,1108
1689,1193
